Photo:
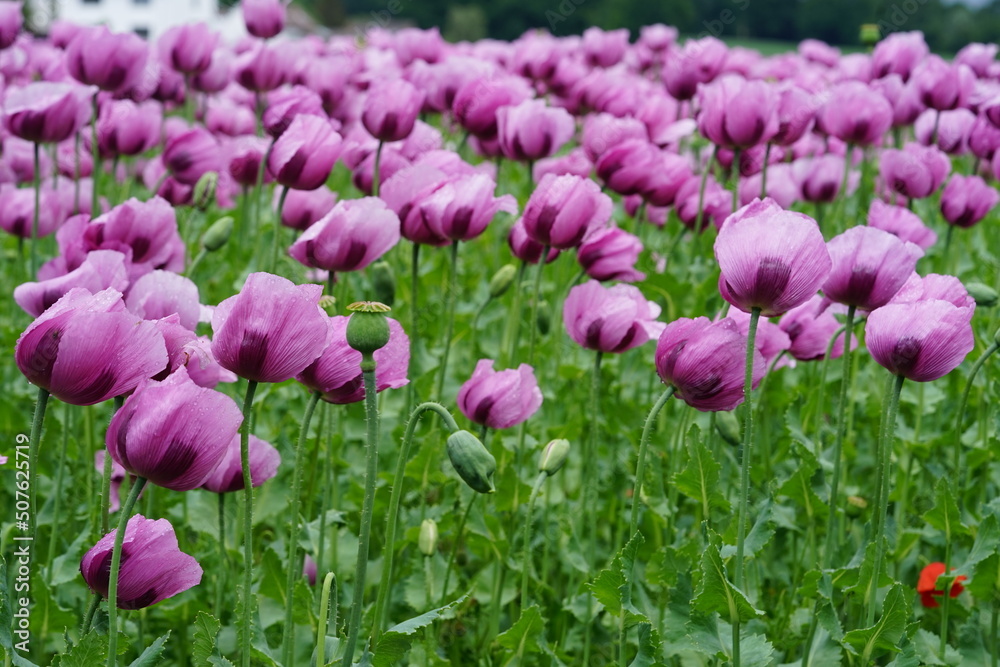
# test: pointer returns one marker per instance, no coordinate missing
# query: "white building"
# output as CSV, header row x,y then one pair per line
x,y
149,18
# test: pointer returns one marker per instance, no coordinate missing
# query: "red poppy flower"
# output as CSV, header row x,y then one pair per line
x,y
928,578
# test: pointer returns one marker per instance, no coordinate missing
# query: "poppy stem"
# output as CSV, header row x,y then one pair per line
x,y
116,558
367,508
295,528
277,228
56,500
885,455
737,172
449,316
513,328
965,400
845,406
329,582
88,619
526,557
946,598
33,443
454,547
411,389
640,466
842,202
223,558
247,524
588,461
393,514
33,252
763,170
95,148
119,401
533,322
375,169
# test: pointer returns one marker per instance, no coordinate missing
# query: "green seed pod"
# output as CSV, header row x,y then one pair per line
x,y
472,461
856,505
328,304
368,329
870,34
985,296
204,190
729,427
554,456
384,282
217,235
544,319
502,280
428,537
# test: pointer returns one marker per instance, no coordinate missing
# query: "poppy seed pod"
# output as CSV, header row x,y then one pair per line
x,y
217,234
472,461
427,541
984,295
368,329
502,280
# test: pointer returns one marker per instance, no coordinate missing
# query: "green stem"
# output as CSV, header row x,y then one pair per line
x,y
533,322
395,495
375,170
414,316
223,557
197,260
737,171
842,201
247,524
745,471
449,317
946,598
763,171
106,482
367,508
96,154
512,330
700,221
88,619
885,455
33,264
329,581
295,528
526,564
116,557
845,405
55,534
965,400
277,228
588,462
454,546
37,419
640,466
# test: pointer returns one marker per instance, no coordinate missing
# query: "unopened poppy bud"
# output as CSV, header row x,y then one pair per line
x,y
329,304
554,456
985,296
728,427
384,282
502,280
204,190
856,505
368,329
472,461
217,235
428,537
544,318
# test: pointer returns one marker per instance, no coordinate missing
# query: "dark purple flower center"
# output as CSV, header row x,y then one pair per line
x,y
482,411
905,355
252,354
773,274
860,285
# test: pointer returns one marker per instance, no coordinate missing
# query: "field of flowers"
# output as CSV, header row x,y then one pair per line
x,y
565,351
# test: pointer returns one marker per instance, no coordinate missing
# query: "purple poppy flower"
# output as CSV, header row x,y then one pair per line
x,y
811,326
228,475
943,86
856,113
770,339
869,267
770,258
477,101
736,113
391,109
915,171
934,286
264,18
716,204
337,372
127,128
967,199
610,319
564,209
87,348
463,207
898,54
11,20
902,222
188,48
284,104
193,352
355,233
152,566
110,61
921,340
820,177
304,208
602,132
499,399
146,229
174,433
162,293
102,269
628,167
610,254
17,211
265,66
533,130
46,112
272,330
699,61
527,249
118,474
705,362
303,157
953,130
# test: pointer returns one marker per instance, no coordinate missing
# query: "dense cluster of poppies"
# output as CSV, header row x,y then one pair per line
x,y
775,157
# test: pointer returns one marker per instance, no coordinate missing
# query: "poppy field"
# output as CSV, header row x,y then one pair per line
x,y
610,349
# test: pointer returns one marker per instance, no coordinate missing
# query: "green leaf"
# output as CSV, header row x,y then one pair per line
x,y
394,642
756,539
151,656
523,636
700,478
206,630
887,631
716,594
945,515
612,587
92,649
987,544
756,651
649,646
866,586
985,583
928,647
799,488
